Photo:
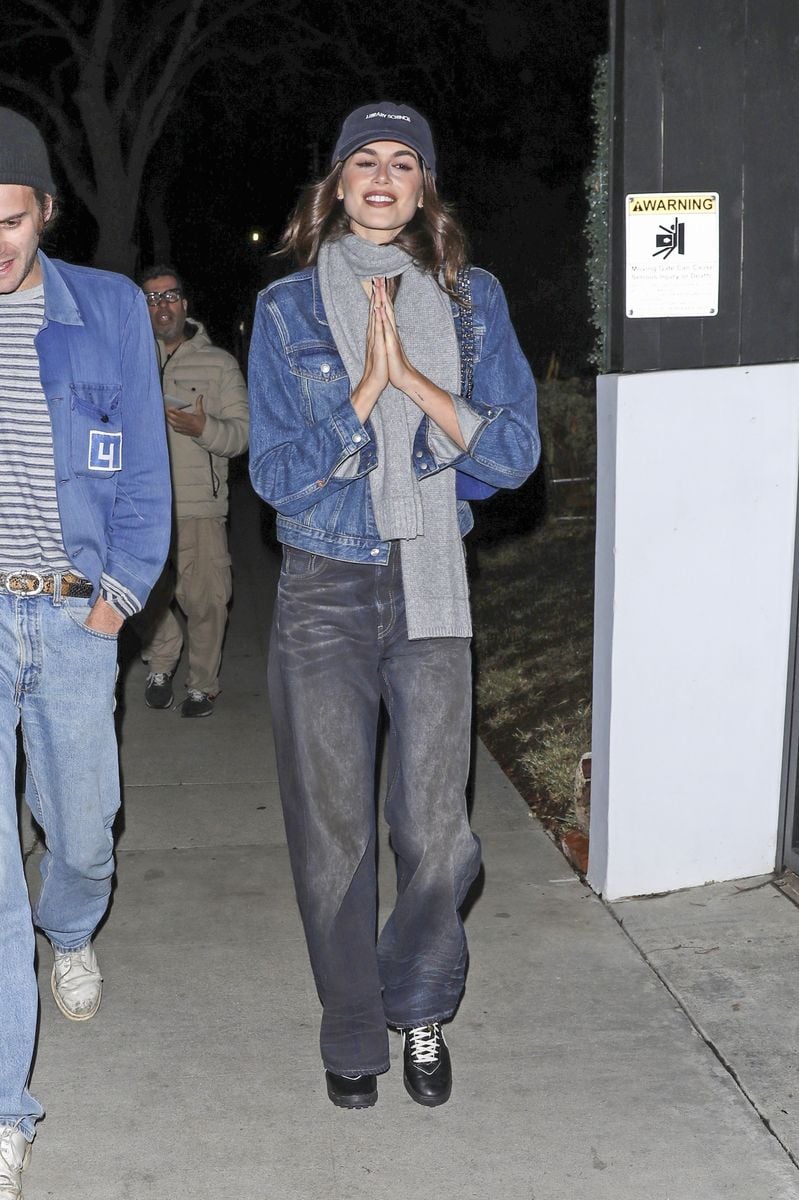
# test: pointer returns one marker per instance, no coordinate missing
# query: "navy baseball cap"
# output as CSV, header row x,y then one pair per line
x,y
386,122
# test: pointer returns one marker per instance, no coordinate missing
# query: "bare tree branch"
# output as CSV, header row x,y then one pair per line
x,y
33,34
65,28
138,64
219,23
103,31
315,37
194,57
154,112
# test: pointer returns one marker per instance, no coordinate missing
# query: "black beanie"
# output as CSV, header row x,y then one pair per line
x,y
23,154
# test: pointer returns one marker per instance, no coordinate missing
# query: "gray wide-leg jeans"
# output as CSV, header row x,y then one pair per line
x,y
339,643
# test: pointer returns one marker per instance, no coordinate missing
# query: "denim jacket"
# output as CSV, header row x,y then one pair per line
x,y
303,428
100,378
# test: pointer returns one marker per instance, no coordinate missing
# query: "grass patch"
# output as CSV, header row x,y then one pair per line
x,y
532,596
549,755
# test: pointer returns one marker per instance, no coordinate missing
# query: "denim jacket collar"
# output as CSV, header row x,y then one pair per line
x,y
59,303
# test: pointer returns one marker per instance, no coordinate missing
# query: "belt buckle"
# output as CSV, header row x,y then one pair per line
x,y
38,582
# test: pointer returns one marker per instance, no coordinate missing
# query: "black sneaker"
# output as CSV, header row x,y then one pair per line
x,y
351,1091
428,1071
158,691
197,704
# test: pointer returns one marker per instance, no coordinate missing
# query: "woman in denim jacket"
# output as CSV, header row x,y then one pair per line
x,y
358,419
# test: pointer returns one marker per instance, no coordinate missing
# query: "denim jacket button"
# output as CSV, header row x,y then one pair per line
x,y
356,437
424,466
418,453
374,553
325,368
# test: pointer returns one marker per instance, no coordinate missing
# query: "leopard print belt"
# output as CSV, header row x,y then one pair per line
x,y
34,583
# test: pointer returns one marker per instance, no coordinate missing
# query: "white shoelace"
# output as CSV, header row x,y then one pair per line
x,y
159,678
64,960
424,1041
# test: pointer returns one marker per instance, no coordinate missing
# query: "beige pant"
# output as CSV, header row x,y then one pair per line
x,y
198,577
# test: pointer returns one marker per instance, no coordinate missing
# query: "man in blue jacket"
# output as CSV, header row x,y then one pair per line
x,y
84,531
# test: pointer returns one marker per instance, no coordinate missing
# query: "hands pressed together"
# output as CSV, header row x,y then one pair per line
x,y
386,362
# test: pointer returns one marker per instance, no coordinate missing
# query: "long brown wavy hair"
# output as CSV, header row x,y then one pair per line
x,y
434,238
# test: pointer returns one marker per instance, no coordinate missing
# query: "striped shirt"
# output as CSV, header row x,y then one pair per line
x,y
30,527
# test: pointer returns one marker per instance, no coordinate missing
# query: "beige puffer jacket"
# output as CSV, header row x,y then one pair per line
x,y
199,465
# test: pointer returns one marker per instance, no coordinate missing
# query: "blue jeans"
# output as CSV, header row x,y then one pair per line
x,y
56,680
339,644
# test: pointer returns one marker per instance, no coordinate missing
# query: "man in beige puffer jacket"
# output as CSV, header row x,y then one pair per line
x,y
205,399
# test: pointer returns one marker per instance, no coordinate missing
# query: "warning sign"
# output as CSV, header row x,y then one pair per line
x,y
672,254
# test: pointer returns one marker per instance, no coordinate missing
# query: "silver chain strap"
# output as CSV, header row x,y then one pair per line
x,y
463,286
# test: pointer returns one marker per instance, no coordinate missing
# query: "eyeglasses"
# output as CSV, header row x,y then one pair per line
x,y
170,296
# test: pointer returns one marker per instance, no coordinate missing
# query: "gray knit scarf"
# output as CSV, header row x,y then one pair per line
x,y
420,514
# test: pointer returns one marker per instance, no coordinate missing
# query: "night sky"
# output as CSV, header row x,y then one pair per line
x,y
506,86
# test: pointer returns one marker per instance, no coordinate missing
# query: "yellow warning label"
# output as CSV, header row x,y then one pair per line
x,y
660,203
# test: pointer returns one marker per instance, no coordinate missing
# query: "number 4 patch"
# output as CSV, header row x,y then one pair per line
x,y
105,450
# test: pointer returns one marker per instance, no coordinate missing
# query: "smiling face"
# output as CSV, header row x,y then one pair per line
x,y
381,186
21,225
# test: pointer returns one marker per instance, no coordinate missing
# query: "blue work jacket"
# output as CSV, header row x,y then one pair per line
x,y
303,427
100,378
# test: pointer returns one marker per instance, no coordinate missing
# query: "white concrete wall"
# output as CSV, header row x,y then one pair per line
x,y
696,522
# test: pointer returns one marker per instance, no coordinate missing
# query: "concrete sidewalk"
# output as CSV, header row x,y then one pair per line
x,y
577,1072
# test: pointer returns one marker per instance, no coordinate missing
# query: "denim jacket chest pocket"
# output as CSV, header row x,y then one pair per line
x,y
321,374
96,429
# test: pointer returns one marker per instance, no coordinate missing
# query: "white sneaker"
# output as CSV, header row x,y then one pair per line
x,y
15,1150
77,984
